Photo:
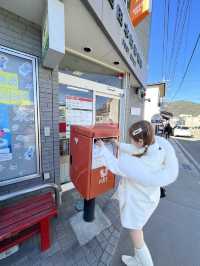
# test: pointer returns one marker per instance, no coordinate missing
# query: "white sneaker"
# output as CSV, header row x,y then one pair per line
x,y
143,256
129,261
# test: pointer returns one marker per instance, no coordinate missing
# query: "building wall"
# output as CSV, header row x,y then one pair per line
x,y
151,108
22,35
143,34
191,121
132,100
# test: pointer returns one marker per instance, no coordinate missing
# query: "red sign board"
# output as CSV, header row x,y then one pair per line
x,y
139,9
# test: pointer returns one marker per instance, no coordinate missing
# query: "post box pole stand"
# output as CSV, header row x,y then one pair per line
x,y
89,210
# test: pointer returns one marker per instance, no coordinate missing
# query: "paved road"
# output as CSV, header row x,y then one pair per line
x,y
172,233
192,146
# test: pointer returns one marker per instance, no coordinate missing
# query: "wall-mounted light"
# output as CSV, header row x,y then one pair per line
x,y
87,49
136,90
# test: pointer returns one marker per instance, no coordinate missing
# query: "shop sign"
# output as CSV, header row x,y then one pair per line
x,y
126,38
111,2
53,34
45,38
127,42
139,9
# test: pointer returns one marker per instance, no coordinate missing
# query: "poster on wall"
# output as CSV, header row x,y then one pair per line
x,y
5,134
10,92
75,102
18,139
78,112
135,111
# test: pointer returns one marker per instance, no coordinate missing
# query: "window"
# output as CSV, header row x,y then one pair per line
x,y
19,140
107,109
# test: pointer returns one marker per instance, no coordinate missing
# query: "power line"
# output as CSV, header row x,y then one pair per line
x,y
174,35
187,33
163,46
188,65
180,41
167,37
178,36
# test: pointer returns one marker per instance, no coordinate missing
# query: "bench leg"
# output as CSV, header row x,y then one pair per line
x,y
45,234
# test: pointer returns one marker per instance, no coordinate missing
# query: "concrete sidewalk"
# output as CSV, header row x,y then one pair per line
x,y
172,233
65,249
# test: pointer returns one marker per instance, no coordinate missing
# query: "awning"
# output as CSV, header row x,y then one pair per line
x,y
156,119
166,115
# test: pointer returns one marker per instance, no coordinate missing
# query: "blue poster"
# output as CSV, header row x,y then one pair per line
x,y
5,134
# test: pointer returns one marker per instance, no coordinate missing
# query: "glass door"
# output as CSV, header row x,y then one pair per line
x,y
75,108
80,106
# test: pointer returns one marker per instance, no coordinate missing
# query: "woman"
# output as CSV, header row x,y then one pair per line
x,y
145,165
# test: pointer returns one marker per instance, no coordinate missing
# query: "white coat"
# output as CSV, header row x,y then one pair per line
x,y
139,189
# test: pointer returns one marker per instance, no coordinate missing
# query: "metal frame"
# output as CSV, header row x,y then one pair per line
x,y
81,83
34,61
23,192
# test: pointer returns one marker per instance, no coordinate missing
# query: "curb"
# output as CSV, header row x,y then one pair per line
x,y
188,155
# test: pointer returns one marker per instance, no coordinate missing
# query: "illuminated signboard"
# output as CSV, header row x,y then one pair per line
x,y
139,9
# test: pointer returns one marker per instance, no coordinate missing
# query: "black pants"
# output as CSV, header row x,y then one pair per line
x,y
167,135
162,192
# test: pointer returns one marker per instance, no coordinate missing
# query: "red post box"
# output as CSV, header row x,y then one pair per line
x,y
87,171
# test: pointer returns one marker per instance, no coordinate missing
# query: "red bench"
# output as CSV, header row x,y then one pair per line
x,y
25,218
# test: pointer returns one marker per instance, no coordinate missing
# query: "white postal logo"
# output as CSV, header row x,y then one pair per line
x,y
103,176
76,140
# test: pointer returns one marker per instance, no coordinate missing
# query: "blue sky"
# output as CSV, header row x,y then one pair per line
x,y
191,87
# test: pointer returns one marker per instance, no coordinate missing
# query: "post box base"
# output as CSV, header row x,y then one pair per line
x,y
85,231
89,210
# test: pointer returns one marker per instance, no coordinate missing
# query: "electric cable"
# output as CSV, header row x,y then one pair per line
x,y
163,45
167,37
174,35
179,44
187,68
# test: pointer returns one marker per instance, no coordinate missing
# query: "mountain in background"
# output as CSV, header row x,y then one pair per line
x,y
183,107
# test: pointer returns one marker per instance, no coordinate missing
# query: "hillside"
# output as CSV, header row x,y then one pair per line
x,y
183,107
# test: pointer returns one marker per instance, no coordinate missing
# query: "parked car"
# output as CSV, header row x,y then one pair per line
x,y
182,131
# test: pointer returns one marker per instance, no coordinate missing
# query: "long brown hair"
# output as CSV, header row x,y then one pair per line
x,y
142,130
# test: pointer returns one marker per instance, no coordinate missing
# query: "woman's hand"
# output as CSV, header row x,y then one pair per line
x,y
100,143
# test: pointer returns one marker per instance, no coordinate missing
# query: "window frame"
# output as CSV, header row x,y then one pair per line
x,y
34,61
